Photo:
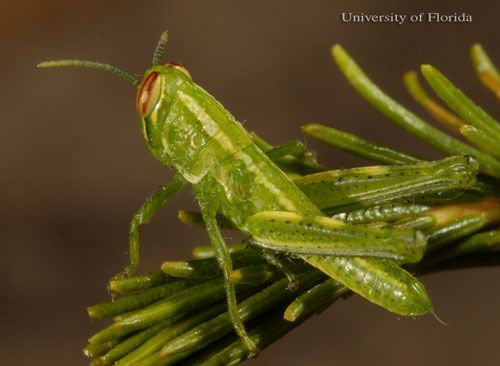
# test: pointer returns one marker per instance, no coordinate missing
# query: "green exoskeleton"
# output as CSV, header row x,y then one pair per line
x,y
186,128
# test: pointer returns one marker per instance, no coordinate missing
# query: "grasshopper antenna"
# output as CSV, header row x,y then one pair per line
x,y
160,47
93,65
157,55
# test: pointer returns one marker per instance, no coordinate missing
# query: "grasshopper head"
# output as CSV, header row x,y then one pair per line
x,y
155,96
149,92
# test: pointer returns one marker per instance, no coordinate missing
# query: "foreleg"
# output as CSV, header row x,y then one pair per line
x,y
143,216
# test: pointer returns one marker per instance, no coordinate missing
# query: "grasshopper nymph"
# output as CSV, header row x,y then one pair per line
x,y
186,128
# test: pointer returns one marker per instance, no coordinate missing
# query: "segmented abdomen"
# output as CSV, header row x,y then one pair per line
x,y
381,281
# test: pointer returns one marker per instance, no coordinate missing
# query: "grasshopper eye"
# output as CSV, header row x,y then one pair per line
x,y
148,94
179,67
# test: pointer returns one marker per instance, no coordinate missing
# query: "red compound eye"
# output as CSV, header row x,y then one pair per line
x,y
179,67
148,94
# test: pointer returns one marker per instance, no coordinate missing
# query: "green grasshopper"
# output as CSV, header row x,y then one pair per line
x,y
186,128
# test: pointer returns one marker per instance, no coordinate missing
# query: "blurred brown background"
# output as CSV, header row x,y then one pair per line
x,y
75,167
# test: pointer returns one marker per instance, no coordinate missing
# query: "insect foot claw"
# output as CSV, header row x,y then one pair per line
x,y
127,272
252,348
293,284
